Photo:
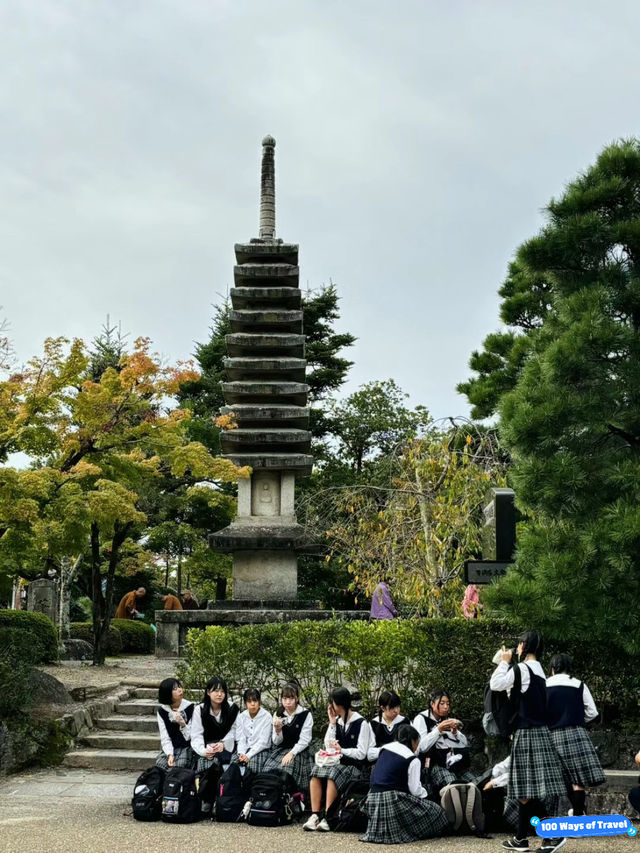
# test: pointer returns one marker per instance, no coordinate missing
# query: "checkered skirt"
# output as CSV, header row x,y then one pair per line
x,y
536,768
437,777
397,818
183,758
340,774
218,760
578,753
300,768
255,764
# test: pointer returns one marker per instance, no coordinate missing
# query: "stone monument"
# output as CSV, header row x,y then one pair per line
x,y
266,396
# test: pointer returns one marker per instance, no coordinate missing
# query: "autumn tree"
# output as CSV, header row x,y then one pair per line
x,y
96,443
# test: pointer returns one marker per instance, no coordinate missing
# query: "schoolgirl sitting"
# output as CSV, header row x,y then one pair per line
x,y
291,733
444,747
384,726
174,716
213,728
398,806
350,736
253,732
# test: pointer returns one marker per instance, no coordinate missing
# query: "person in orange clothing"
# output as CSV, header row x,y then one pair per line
x,y
171,602
127,609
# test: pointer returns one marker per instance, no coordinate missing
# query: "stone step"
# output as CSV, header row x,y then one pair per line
x,y
621,780
123,740
111,759
256,272
291,369
146,693
267,297
260,416
270,344
137,707
262,391
265,440
127,722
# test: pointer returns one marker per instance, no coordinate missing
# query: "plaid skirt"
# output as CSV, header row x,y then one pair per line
x,y
437,777
340,774
397,818
183,758
300,768
218,760
578,753
536,768
255,764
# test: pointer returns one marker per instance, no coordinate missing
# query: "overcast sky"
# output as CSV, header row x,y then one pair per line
x,y
417,143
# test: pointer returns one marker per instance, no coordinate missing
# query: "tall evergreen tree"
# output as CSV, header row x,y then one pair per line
x,y
572,418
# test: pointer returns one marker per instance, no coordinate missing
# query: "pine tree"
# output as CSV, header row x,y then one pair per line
x,y
572,418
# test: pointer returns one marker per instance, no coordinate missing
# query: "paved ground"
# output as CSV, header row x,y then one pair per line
x,y
83,674
78,811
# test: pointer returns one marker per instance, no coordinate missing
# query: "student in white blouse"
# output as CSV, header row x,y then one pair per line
x,y
253,732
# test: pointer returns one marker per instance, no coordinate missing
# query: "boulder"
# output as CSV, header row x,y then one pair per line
x,y
76,650
44,689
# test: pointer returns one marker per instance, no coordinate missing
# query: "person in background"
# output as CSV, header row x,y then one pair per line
x,y
471,607
382,606
189,602
171,602
128,607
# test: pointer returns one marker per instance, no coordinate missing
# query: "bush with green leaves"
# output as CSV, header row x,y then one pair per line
x,y
410,656
33,635
84,631
137,637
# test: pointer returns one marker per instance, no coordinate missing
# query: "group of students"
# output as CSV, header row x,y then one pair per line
x,y
406,764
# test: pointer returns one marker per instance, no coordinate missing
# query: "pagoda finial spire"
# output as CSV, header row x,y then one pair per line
x,y
268,190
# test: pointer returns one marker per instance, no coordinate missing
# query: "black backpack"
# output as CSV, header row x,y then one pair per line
x,y
208,788
272,799
146,802
462,804
180,800
233,789
500,718
348,815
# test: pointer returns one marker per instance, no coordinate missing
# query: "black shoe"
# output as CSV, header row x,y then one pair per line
x,y
551,844
521,844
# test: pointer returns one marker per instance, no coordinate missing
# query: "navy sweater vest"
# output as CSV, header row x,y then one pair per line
x,y
565,706
174,730
391,772
291,732
533,703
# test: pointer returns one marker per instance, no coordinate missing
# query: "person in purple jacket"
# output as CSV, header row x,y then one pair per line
x,y
381,604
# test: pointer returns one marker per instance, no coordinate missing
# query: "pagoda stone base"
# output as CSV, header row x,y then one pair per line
x,y
265,574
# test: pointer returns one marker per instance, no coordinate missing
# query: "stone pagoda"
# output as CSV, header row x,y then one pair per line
x,y
266,393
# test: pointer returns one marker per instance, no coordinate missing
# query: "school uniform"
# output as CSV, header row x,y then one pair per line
x,y
355,739
397,805
174,738
536,770
253,735
383,734
438,750
208,728
569,706
295,736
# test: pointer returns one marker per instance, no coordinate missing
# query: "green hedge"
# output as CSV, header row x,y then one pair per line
x,y
136,636
406,655
33,635
84,631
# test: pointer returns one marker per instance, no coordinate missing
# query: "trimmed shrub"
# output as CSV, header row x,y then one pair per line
x,y
84,631
410,656
136,636
33,635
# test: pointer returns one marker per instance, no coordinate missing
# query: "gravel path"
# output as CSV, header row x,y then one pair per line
x,y
83,674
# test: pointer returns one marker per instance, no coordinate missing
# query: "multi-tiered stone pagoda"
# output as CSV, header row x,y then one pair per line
x,y
267,395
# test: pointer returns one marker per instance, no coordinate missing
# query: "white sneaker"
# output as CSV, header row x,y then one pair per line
x,y
312,824
323,826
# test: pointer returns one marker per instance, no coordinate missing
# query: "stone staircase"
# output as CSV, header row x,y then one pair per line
x,y
125,739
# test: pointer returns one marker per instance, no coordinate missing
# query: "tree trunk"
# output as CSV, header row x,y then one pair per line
x,y
179,572
67,576
101,626
97,597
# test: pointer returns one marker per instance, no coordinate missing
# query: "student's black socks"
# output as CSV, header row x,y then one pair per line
x,y
578,799
523,820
